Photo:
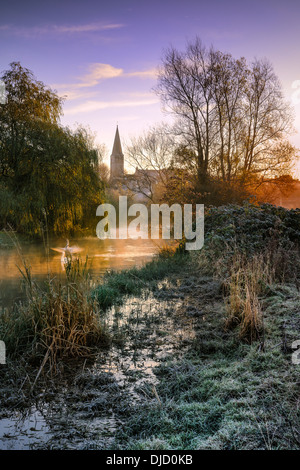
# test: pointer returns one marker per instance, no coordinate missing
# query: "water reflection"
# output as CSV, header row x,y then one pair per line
x,y
102,255
21,432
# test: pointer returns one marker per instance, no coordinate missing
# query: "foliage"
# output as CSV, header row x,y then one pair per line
x,y
249,248
251,227
47,172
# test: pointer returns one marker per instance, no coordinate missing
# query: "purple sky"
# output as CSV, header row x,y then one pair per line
x,y
103,53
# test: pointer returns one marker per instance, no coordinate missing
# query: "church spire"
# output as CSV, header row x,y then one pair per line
x,y
117,148
117,158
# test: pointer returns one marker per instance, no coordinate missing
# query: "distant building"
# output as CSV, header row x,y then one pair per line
x,y
140,184
117,159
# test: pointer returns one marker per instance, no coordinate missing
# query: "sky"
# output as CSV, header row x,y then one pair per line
x,y
103,54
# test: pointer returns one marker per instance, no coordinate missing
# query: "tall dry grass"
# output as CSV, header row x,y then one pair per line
x,y
247,281
58,320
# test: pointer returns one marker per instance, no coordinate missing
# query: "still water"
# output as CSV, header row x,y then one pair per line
x,y
152,327
102,255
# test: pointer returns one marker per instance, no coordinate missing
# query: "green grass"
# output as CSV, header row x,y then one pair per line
x,y
222,389
232,390
227,395
117,285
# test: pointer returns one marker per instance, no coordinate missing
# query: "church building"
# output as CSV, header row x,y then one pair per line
x,y
117,159
140,185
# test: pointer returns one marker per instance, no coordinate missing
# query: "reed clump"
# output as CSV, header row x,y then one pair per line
x,y
247,281
58,319
250,249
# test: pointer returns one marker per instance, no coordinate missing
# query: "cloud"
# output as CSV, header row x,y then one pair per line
x,y
90,106
74,94
96,73
99,72
87,28
151,73
58,29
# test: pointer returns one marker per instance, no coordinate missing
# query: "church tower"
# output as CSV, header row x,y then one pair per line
x,y
117,158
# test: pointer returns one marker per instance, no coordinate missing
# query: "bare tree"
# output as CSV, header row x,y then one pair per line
x,y
151,155
184,85
228,87
267,120
232,118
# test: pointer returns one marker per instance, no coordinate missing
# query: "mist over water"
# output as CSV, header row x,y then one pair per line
x,y
102,255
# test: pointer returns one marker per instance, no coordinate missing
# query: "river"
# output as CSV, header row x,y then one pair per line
x,y
102,255
147,330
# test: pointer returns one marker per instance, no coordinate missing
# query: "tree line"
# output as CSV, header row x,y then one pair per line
x,y
231,126
228,137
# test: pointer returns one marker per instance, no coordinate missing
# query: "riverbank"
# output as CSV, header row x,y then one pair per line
x,y
199,354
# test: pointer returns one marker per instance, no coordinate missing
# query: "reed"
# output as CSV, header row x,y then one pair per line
x,y
247,281
58,320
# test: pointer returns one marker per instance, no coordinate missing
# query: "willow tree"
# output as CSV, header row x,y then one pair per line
x,y
28,103
45,169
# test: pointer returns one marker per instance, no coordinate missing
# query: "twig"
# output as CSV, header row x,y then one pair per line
x,y
156,395
41,367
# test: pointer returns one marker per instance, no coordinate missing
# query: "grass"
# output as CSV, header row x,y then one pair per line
x,y
117,285
232,384
236,386
224,393
56,321
247,280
